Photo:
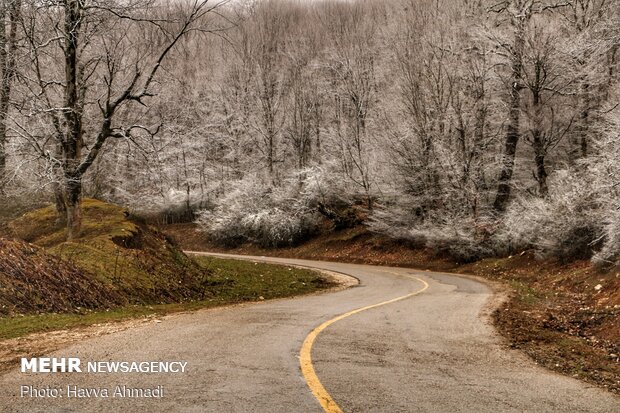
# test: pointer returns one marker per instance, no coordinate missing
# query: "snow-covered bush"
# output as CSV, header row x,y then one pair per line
x,y
461,237
568,224
396,221
328,193
276,227
253,211
610,251
604,168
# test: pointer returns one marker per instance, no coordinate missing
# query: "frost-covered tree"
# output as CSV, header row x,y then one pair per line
x,y
92,62
458,125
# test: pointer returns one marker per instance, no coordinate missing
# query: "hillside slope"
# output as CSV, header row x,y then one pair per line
x,y
123,254
33,281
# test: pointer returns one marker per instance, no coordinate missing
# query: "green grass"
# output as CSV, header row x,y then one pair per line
x,y
100,221
525,293
235,280
120,252
231,282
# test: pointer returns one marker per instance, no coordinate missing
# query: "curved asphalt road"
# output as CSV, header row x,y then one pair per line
x,y
432,352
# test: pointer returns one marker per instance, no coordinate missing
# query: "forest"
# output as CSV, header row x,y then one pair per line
x,y
471,127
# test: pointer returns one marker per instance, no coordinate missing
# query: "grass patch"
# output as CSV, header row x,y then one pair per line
x,y
525,292
235,280
100,219
231,281
127,257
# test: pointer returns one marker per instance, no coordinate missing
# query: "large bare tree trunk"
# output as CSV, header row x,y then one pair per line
x,y
3,96
512,130
72,144
8,47
60,202
74,214
60,199
539,159
538,137
584,124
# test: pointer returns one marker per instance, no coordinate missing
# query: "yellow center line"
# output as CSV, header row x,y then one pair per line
x,y
305,354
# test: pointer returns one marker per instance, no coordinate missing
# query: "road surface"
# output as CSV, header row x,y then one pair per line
x,y
401,341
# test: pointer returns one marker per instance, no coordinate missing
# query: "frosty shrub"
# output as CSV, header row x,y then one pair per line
x,y
275,227
397,222
463,238
326,192
567,224
524,225
604,168
321,186
609,255
270,216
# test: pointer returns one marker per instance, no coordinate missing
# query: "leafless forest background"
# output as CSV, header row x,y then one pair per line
x,y
478,128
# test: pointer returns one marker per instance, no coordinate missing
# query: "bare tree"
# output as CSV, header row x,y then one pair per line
x,y
518,13
546,81
105,71
583,18
352,65
306,96
422,80
9,16
273,20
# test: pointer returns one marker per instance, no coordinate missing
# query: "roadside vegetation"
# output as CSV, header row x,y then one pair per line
x,y
120,268
230,282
